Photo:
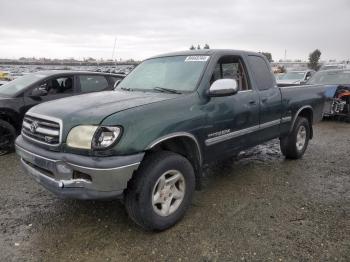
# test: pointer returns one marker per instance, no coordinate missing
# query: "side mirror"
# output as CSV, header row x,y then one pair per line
x,y
39,91
117,83
223,87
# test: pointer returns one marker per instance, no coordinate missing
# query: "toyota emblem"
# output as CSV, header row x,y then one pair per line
x,y
33,126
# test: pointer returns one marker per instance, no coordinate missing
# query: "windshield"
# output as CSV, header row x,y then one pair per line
x,y
331,78
176,73
293,76
13,87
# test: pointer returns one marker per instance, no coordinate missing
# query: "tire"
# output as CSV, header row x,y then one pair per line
x,y
7,137
294,145
146,184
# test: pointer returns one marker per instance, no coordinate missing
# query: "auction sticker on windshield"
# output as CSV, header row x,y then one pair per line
x,y
197,58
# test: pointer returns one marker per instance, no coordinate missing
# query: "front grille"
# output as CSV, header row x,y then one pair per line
x,y
41,130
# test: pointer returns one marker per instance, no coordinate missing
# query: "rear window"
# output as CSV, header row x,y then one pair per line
x,y
262,72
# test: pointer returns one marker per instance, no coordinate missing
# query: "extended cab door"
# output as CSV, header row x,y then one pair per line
x,y
231,120
270,99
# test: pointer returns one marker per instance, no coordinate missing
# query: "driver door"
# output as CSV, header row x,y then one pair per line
x,y
232,120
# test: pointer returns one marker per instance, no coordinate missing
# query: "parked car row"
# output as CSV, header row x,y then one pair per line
x,y
19,95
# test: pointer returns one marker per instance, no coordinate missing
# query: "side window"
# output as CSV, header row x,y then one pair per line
x,y
231,67
60,85
261,72
92,83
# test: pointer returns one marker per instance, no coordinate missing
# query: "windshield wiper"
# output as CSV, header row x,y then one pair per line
x,y
168,90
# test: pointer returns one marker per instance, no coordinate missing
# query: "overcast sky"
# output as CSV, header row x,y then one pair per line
x,y
86,28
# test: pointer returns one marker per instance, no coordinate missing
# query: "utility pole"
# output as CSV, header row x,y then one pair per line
x,y
115,42
285,54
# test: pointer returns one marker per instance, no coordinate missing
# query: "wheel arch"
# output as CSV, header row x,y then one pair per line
x,y
11,117
184,144
307,112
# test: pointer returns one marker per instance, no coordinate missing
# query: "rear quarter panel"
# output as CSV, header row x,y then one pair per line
x,y
295,98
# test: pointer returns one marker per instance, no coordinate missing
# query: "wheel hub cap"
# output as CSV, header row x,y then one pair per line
x,y
301,138
168,193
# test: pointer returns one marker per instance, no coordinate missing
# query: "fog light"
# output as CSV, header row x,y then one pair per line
x,y
80,175
63,169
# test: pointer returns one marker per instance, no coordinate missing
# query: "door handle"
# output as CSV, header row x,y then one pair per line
x,y
252,102
263,100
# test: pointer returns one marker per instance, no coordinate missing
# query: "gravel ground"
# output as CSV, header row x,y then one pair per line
x,y
260,207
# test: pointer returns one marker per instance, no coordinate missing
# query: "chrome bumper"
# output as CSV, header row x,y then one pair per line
x,y
71,180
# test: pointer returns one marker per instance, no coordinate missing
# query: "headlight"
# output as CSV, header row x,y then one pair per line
x,y
81,136
106,136
93,137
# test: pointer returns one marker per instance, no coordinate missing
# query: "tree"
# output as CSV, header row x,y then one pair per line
x,y
314,59
198,47
267,55
206,46
192,47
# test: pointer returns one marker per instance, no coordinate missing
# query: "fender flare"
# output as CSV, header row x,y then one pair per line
x,y
175,135
12,115
296,116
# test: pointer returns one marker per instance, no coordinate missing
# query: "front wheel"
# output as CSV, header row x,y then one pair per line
x,y
161,190
7,137
294,145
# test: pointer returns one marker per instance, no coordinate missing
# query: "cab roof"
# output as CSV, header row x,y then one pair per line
x,y
207,52
73,72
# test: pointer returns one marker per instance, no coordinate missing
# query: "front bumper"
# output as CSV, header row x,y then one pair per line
x,y
77,177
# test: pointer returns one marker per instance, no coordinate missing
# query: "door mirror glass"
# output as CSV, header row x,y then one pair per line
x,y
40,91
223,87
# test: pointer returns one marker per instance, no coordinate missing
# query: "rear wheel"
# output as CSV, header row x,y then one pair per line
x,y
7,137
294,145
161,190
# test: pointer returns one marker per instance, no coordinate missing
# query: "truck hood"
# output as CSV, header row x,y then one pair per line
x,y
94,107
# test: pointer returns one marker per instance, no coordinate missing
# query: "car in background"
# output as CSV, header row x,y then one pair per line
x,y
294,78
19,95
337,92
332,66
5,76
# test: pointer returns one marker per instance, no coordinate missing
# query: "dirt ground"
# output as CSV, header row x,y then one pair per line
x,y
258,208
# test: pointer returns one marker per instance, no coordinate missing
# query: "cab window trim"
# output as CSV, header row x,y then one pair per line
x,y
242,63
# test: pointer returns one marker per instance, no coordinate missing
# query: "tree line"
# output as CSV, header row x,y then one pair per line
x,y
206,46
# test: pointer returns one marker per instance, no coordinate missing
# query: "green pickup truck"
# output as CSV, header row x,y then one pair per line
x,y
148,141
